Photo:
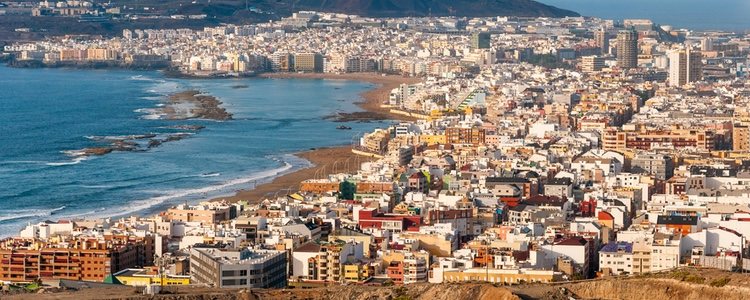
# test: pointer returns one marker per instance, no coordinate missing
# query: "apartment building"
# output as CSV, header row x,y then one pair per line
x,y
685,66
376,141
82,259
308,62
358,272
325,261
627,49
616,258
465,135
592,64
208,213
238,268
741,136
319,186
411,269
614,139
661,166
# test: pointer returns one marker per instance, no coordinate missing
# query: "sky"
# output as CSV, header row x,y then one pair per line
x,y
693,14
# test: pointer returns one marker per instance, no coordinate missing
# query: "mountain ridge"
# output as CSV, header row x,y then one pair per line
x,y
422,8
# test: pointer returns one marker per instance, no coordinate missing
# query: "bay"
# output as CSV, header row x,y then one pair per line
x,y
46,112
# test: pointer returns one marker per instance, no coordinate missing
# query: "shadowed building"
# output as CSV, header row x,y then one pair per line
x,y
627,49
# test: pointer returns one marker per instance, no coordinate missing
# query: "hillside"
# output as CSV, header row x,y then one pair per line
x,y
405,8
687,283
254,11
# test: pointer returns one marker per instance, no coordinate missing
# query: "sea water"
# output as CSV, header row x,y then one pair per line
x,y
48,114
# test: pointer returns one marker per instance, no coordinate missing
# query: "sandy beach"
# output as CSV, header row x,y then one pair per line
x,y
327,160
324,158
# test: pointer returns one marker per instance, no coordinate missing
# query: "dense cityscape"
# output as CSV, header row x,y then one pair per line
x,y
525,150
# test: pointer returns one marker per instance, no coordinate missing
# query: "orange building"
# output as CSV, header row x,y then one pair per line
x,y
679,224
465,135
367,187
646,139
73,54
317,186
86,259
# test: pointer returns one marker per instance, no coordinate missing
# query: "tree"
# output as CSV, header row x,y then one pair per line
x,y
347,190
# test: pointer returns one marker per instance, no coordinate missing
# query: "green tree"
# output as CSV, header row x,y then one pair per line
x,y
347,190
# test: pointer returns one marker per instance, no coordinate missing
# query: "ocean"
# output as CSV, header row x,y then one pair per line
x,y
47,113
729,15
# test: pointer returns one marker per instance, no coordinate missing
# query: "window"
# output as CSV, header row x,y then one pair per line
x,y
243,272
228,282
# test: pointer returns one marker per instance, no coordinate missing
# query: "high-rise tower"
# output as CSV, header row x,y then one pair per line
x,y
685,66
627,49
602,41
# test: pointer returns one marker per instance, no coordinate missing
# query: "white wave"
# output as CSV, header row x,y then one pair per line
x,y
210,175
144,110
28,213
290,163
150,113
73,152
74,161
152,117
142,205
141,78
145,78
164,87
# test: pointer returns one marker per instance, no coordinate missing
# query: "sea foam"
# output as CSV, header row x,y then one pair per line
x,y
140,206
27,213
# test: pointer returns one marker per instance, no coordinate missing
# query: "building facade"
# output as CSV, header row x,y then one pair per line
x,y
627,49
241,268
685,66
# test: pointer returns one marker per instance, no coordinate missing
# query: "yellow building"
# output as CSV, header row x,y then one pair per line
x,y
432,139
143,277
505,276
308,62
358,272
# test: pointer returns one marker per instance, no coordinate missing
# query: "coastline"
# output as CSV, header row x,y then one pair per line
x,y
322,159
372,99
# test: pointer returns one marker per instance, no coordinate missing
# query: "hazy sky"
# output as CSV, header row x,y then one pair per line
x,y
695,14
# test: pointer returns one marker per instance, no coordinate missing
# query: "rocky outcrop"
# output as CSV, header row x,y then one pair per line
x,y
140,142
193,105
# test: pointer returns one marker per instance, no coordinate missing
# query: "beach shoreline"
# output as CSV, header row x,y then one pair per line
x,y
322,159
338,159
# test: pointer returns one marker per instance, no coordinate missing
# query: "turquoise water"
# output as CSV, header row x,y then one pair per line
x,y
730,15
46,112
